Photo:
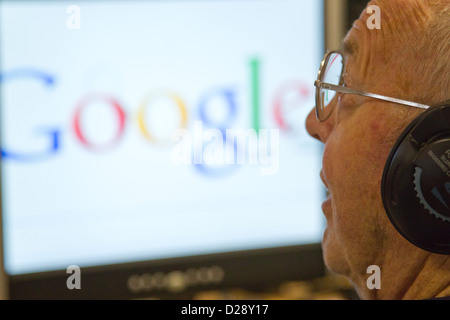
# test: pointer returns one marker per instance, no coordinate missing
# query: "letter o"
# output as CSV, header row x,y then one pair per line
x,y
77,122
141,114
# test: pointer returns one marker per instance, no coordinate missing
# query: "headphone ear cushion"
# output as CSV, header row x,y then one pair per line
x,y
415,186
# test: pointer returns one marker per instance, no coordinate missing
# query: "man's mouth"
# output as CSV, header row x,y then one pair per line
x,y
327,202
323,181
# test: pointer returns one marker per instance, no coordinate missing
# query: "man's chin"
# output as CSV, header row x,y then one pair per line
x,y
333,257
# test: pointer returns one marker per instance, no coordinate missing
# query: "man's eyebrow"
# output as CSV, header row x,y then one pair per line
x,y
349,47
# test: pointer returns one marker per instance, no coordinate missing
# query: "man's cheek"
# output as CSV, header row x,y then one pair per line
x,y
379,144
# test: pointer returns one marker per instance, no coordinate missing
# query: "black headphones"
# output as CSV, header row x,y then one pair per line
x,y
415,187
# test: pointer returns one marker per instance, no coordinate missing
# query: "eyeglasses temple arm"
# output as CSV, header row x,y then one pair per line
x,y
342,89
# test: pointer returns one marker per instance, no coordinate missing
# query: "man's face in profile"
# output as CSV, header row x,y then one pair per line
x,y
357,140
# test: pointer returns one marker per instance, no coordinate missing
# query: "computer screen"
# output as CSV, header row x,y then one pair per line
x,y
145,131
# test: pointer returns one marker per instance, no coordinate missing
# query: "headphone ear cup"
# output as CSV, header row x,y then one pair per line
x,y
415,186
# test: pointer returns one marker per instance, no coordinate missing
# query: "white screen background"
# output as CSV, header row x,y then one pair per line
x,y
132,202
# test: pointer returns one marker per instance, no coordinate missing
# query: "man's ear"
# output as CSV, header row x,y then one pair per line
x,y
415,186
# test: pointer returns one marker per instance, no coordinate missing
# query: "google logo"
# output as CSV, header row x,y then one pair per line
x,y
117,109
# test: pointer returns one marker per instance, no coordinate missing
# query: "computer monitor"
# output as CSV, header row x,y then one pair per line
x,y
157,148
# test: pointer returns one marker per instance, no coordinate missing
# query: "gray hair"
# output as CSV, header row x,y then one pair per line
x,y
423,51
432,48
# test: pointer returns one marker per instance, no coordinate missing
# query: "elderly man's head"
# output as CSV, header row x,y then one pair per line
x,y
412,48
408,58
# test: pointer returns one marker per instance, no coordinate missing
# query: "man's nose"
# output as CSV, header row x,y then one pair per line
x,y
316,129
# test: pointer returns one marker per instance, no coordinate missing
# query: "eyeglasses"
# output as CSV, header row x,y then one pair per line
x,y
330,81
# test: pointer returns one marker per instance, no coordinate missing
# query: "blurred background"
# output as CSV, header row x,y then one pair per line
x,y
159,148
